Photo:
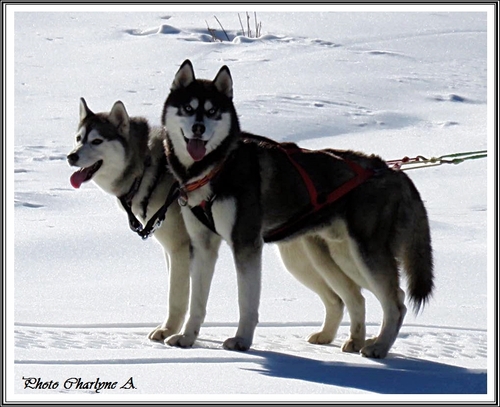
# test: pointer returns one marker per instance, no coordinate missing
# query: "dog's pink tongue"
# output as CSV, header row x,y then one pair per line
x,y
78,178
196,149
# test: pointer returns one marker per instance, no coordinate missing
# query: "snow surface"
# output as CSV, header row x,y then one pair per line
x,y
83,291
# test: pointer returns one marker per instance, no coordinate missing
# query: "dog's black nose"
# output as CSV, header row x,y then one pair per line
x,y
73,158
198,129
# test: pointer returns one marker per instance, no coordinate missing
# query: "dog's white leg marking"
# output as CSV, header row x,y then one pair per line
x,y
295,258
248,262
204,252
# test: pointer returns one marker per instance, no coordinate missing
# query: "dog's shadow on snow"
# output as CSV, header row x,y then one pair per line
x,y
394,375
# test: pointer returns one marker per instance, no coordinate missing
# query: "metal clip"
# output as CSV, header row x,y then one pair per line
x,y
183,198
135,225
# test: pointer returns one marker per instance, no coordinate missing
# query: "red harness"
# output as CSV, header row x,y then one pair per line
x,y
204,211
361,175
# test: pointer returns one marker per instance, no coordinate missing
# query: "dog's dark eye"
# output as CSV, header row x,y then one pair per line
x,y
78,139
96,142
211,112
188,109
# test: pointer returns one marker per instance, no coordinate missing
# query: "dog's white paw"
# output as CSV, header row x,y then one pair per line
x,y
236,344
160,333
375,350
371,341
181,340
353,345
320,338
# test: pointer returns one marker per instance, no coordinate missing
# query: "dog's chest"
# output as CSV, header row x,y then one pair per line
x,y
216,213
195,198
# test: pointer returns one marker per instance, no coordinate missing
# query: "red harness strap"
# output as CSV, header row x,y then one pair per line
x,y
193,186
290,150
361,175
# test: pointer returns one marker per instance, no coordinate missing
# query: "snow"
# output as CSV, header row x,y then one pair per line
x,y
83,292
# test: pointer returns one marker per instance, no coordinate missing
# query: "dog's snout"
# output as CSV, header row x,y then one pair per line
x,y
198,129
72,158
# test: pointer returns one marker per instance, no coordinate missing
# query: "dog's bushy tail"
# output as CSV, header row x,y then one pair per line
x,y
417,250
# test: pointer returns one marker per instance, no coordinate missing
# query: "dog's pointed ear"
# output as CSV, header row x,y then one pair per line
x,y
119,118
223,82
84,110
184,76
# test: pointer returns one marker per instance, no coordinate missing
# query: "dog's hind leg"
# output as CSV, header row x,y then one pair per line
x,y
381,273
349,291
294,256
394,313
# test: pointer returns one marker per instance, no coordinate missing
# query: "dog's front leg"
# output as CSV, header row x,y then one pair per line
x,y
248,260
204,252
178,294
175,240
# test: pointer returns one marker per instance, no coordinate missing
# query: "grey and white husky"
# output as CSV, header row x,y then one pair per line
x,y
125,158
343,220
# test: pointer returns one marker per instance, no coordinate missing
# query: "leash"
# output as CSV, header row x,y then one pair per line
x,y
157,219
421,162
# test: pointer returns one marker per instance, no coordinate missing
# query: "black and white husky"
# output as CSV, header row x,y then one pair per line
x,y
342,220
125,158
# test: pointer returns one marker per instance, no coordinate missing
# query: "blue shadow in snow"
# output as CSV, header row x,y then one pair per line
x,y
395,375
